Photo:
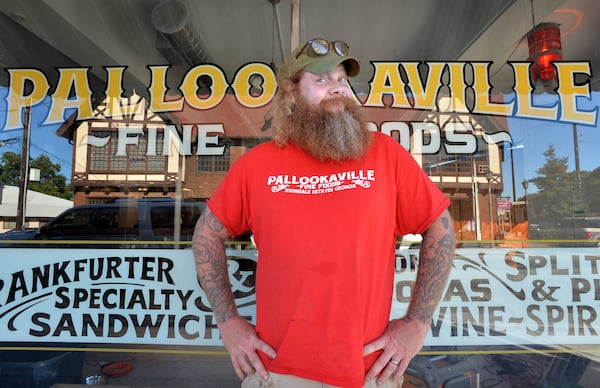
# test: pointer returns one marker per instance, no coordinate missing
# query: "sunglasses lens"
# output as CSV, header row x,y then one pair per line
x,y
319,46
341,48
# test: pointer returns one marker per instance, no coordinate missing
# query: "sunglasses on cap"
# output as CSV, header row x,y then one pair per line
x,y
319,47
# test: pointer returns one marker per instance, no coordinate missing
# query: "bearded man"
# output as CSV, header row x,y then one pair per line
x,y
325,200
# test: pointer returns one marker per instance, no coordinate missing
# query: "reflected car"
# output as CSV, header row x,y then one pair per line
x,y
580,231
124,223
25,234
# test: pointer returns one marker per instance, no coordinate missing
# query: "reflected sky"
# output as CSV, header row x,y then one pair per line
x,y
43,139
534,137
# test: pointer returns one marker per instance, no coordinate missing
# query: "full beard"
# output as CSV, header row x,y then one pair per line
x,y
326,134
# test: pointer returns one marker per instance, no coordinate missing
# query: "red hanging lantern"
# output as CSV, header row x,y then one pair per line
x,y
544,48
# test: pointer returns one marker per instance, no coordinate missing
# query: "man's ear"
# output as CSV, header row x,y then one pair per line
x,y
290,88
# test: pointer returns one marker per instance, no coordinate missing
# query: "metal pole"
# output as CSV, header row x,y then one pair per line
x,y
512,171
490,209
295,25
178,199
24,173
577,167
476,201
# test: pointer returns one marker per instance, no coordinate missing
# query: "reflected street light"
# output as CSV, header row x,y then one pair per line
x,y
512,169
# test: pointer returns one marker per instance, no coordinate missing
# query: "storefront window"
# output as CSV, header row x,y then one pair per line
x,y
119,120
107,159
210,163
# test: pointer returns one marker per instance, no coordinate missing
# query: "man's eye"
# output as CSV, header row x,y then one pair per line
x,y
321,80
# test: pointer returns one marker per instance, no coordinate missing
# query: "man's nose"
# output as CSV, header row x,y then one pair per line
x,y
339,89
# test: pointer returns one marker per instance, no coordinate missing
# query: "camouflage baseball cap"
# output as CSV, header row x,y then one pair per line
x,y
320,56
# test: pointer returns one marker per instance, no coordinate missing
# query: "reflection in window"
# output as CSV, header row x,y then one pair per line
x,y
209,163
105,158
95,222
163,220
9,224
441,163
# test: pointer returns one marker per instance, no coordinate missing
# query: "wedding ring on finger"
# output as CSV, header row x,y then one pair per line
x,y
395,362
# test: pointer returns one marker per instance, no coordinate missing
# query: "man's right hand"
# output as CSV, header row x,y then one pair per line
x,y
241,341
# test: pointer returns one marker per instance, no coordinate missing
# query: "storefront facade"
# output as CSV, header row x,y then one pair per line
x,y
153,101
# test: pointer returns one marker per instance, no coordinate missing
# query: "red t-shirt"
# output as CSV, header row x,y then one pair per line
x,y
325,234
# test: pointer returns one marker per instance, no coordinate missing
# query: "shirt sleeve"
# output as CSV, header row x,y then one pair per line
x,y
229,202
419,200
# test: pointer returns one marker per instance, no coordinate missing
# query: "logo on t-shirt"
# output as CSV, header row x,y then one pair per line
x,y
321,184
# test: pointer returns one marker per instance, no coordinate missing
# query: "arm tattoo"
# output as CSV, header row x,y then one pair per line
x,y
211,265
435,263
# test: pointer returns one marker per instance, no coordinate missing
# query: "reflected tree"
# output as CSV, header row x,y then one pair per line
x,y
560,193
51,181
591,191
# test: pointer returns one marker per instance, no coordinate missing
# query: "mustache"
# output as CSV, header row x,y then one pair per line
x,y
347,102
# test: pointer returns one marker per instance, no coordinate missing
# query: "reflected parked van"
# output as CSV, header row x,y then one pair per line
x,y
130,223
584,231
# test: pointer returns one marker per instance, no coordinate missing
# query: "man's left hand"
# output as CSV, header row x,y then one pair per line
x,y
401,341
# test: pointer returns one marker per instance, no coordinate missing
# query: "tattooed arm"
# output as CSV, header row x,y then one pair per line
x,y
211,264
404,337
435,262
239,336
